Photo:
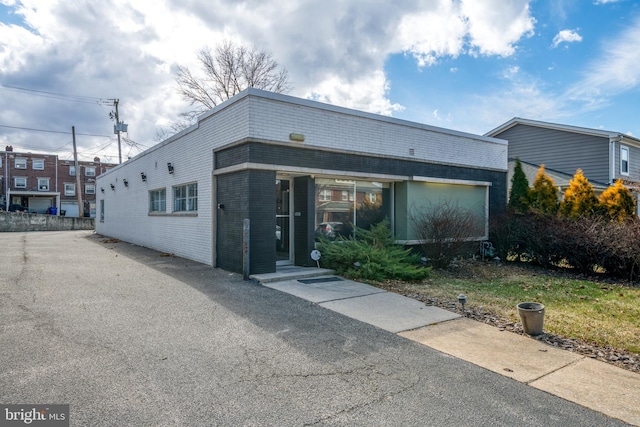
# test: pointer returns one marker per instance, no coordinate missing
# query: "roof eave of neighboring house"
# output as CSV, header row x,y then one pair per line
x,y
567,128
557,175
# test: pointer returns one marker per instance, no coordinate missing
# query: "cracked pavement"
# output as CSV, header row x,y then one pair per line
x,y
129,337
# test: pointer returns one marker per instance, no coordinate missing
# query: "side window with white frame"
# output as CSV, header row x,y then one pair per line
x,y
185,198
37,164
89,171
624,160
69,189
102,210
89,189
20,163
72,170
43,184
158,200
325,195
20,182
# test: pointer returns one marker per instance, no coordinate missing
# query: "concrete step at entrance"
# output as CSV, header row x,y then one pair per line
x,y
291,273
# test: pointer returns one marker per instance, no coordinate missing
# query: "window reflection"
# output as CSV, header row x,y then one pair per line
x,y
342,204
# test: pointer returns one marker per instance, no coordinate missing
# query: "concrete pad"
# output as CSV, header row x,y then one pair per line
x,y
515,356
599,386
324,291
389,311
291,273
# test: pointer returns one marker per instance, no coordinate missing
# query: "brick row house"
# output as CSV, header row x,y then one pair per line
x,y
44,183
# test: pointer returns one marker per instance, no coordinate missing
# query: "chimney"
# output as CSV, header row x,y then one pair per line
x,y
9,148
96,159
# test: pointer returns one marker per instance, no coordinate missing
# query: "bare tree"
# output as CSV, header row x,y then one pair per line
x,y
445,229
224,72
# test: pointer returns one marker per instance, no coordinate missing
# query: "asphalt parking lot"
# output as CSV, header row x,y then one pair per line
x,y
129,336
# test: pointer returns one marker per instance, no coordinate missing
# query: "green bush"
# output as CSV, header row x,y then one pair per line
x,y
372,255
518,195
587,244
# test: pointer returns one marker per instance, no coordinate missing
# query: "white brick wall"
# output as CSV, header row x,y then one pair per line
x,y
336,128
257,114
126,208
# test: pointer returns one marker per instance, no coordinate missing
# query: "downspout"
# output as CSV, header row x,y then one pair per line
x,y
6,181
7,201
612,159
58,196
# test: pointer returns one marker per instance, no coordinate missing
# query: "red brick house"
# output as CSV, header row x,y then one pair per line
x,y
35,183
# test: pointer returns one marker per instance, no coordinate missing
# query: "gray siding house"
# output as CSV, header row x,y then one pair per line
x,y
292,168
603,156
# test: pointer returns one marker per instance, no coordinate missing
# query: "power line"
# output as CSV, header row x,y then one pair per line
x,y
55,95
53,131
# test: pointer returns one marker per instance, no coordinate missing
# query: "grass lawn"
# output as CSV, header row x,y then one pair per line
x,y
597,312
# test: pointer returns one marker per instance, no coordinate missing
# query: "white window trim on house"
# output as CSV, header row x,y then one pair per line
x,y
20,163
325,195
37,164
89,189
89,171
20,181
158,200
43,184
69,189
72,170
185,198
624,160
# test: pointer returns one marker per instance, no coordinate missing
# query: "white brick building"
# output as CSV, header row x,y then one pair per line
x,y
289,165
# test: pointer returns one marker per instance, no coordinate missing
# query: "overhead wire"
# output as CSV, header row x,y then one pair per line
x,y
100,102
54,131
55,95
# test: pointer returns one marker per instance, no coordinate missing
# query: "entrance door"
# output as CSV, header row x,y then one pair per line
x,y
283,222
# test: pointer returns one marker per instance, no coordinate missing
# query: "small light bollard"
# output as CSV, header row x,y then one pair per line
x,y
462,299
315,255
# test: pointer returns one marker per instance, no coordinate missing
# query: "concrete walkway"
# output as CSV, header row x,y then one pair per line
x,y
596,385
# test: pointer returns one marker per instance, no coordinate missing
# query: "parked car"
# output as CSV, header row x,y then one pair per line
x,y
17,208
332,230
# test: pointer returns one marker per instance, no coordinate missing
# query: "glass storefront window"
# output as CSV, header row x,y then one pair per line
x,y
342,204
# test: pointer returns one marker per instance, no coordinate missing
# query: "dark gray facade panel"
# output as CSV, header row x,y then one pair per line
x,y
231,196
246,194
562,151
262,212
303,220
257,152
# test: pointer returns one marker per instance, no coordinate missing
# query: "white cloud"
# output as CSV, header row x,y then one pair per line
x,y
606,1
368,93
433,32
495,26
519,99
452,28
566,36
613,71
334,51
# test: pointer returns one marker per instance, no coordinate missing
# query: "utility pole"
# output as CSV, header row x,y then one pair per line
x,y
117,128
75,162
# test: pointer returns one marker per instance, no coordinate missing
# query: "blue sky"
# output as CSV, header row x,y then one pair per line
x,y
468,65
